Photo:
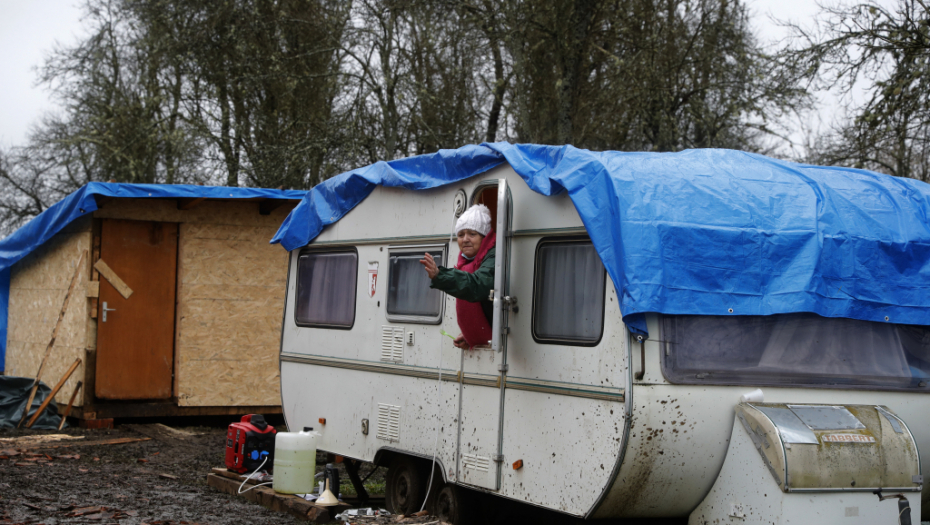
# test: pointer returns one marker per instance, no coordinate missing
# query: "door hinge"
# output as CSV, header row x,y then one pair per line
x,y
498,458
503,367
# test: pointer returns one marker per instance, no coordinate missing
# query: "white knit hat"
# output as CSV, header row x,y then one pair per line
x,y
477,218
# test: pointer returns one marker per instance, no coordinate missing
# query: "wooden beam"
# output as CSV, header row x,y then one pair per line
x,y
114,279
92,289
74,394
269,205
169,409
51,396
267,497
189,203
76,443
94,274
90,380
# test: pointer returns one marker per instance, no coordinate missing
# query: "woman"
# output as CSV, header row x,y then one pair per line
x,y
472,279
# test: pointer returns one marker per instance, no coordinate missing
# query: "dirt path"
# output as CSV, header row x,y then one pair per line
x,y
159,482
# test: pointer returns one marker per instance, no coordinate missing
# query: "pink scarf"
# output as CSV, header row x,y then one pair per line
x,y
474,325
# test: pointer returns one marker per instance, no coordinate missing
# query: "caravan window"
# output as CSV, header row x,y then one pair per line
x,y
409,297
568,293
326,289
794,349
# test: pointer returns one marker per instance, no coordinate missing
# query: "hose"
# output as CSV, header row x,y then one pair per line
x,y
240,491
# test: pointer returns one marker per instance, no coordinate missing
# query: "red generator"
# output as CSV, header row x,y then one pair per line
x,y
249,443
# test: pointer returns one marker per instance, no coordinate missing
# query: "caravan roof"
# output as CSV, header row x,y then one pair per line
x,y
709,232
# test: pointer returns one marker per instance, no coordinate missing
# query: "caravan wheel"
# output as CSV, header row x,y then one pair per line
x,y
451,505
404,486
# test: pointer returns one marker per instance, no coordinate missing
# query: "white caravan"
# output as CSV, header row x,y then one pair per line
x,y
566,409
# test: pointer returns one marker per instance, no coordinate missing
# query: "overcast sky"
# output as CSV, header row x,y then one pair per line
x,y
29,29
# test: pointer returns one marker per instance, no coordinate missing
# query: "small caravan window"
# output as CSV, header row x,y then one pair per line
x,y
326,289
795,349
409,297
568,295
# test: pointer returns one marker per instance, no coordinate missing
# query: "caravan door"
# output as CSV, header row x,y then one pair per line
x,y
482,398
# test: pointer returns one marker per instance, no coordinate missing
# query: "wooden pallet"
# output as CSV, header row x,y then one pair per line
x,y
228,482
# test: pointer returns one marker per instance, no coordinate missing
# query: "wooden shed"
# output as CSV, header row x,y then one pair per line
x,y
178,301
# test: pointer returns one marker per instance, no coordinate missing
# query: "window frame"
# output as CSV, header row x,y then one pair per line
x,y
407,249
569,239
307,251
760,380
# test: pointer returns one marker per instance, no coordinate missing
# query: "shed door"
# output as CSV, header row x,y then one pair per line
x,y
135,336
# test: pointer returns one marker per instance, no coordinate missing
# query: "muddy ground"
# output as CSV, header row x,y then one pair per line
x,y
161,481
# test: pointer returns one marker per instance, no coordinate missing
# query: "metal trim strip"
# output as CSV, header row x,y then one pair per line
x,y
574,230
414,239
857,489
487,380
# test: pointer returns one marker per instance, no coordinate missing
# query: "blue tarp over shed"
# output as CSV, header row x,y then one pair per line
x,y
710,232
51,221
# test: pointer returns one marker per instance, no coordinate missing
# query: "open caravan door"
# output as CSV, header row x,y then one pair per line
x,y
483,369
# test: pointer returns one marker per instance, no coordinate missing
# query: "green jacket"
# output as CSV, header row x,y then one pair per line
x,y
471,287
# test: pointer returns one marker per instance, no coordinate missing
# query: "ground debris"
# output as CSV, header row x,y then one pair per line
x,y
84,510
169,490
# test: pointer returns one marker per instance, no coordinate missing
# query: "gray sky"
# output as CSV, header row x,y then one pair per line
x,y
30,29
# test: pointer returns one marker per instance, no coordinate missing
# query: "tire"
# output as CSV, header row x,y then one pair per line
x,y
453,505
404,486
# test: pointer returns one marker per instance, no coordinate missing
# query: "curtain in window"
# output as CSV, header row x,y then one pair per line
x,y
803,349
326,291
408,288
569,302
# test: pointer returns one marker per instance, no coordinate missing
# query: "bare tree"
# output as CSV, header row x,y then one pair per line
x,y
889,50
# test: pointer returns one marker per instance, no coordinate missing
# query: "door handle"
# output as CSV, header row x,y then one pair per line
x,y
105,310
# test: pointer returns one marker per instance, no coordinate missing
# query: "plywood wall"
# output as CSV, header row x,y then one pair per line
x,y
230,297
38,285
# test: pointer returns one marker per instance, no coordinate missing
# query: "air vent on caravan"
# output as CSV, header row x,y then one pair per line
x,y
392,343
388,422
474,462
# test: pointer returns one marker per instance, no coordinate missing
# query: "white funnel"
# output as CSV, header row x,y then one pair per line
x,y
327,498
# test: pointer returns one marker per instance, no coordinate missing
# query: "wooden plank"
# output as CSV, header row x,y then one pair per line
x,y
267,497
169,409
113,279
179,278
48,350
90,373
230,302
94,274
228,474
92,289
189,203
67,411
51,396
70,444
135,344
239,212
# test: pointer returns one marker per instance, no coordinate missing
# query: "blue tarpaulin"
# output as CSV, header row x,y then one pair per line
x,y
44,226
707,232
